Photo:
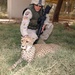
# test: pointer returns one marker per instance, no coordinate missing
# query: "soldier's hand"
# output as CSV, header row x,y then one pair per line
x,y
43,28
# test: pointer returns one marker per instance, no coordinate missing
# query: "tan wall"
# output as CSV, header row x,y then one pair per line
x,y
15,7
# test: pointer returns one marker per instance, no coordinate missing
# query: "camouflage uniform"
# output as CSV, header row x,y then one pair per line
x,y
29,23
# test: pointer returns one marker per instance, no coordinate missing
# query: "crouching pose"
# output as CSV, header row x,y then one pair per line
x,y
29,24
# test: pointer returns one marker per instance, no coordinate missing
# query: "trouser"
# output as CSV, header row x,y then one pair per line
x,y
44,35
32,34
47,31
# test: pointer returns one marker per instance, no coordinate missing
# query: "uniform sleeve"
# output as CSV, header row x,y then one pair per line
x,y
25,22
47,21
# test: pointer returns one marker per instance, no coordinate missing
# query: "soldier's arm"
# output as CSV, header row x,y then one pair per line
x,y
25,22
47,19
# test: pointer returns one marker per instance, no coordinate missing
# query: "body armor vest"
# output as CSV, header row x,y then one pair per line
x,y
35,15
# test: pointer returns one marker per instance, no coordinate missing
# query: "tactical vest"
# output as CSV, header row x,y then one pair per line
x,y
35,15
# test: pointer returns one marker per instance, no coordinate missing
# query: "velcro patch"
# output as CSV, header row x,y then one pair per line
x,y
27,13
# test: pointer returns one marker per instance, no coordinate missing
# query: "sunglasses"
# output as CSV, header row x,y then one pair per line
x,y
38,5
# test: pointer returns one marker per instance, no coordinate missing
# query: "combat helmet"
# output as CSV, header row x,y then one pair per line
x,y
38,2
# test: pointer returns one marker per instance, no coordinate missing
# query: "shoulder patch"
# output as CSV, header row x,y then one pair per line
x,y
27,13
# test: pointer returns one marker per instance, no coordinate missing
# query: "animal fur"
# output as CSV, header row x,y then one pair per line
x,y
29,51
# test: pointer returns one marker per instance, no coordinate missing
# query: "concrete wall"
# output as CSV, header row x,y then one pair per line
x,y
15,7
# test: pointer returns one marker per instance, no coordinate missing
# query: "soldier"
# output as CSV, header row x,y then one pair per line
x,y
29,22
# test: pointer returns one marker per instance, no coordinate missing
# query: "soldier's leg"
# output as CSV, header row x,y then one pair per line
x,y
47,32
32,34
